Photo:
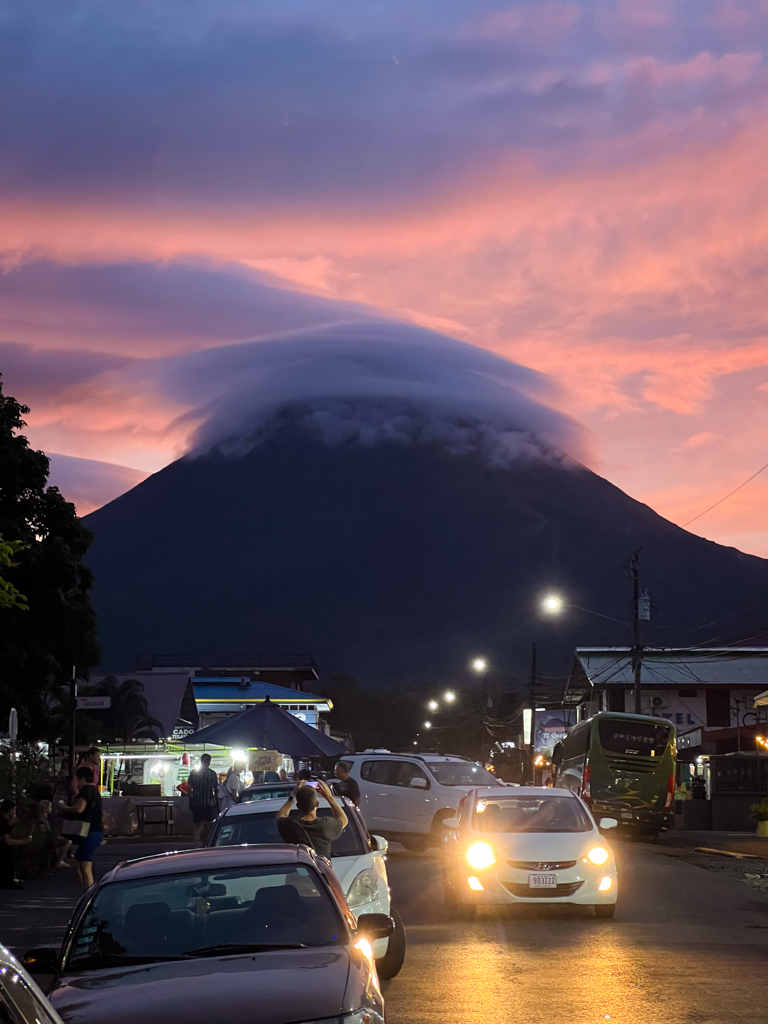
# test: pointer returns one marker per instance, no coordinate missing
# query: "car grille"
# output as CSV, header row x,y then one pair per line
x,y
563,889
541,865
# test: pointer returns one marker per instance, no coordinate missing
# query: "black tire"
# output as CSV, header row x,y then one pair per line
x,y
605,910
390,964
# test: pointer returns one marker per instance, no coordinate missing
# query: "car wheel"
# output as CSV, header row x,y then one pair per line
x,y
392,961
605,910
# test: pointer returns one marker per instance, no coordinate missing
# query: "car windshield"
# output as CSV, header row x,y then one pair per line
x,y
261,827
639,739
205,913
529,813
461,773
279,791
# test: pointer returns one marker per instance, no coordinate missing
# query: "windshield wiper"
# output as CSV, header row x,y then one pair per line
x,y
243,947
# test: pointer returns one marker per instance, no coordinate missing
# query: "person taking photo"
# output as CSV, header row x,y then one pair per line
x,y
307,829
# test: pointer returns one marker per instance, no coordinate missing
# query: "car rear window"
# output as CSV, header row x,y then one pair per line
x,y
260,828
639,739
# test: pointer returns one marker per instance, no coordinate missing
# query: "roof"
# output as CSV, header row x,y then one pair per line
x,y
208,859
273,806
735,666
523,791
408,753
220,690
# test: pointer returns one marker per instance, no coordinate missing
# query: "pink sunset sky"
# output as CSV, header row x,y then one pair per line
x,y
577,186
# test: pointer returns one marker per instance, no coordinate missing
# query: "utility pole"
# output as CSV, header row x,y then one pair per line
x,y
73,721
633,570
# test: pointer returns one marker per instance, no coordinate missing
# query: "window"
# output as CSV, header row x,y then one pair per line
x,y
576,741
530,814
409,770
462,773
380,773
151,919
633,738
261,827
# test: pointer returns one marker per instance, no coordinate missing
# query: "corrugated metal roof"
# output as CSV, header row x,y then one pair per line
x,y
233,691
739,666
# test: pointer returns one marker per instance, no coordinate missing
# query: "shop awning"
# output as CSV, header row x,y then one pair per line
x,y
268,726
761,699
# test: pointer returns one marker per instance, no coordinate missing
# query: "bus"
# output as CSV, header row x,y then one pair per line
x,y
623,767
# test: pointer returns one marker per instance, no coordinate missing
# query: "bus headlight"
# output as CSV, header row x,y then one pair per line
x,y
598,855
480,856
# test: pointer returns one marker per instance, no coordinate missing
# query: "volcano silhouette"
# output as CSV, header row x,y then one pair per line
x,y
395,562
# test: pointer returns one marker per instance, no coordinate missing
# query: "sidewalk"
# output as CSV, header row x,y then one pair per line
x,y
38,914
733,842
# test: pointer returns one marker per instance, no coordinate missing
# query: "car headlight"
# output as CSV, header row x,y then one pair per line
x,y
363,1016
598,855
364,889
480,856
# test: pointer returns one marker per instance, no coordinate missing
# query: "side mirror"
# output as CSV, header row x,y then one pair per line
x,y
451,823
557,755
608,823
42,960
375,926
379,846
418,783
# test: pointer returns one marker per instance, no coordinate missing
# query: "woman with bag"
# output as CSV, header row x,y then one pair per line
x,y
84,824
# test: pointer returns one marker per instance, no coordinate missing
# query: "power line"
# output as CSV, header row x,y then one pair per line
x,y
725,498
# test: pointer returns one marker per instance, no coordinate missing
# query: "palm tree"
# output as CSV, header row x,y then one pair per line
x,y
128,716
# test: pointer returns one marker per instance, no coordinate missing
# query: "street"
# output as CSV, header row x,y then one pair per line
x,y
687,946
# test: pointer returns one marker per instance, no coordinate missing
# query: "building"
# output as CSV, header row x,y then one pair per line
x,y
707,693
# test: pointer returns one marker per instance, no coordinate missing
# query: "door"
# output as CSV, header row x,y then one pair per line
x,y
412,799
378,789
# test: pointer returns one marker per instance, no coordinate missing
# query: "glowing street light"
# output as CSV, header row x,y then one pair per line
x,y
479,665
427,725
449,696
553,604
433,705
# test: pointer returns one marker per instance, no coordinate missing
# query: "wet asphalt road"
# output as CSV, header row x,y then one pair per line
x,y
687,946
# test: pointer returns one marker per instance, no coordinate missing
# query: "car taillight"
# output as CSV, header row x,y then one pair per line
x,y
670,793
586,787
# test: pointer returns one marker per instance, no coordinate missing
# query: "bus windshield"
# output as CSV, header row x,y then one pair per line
x,y
641,739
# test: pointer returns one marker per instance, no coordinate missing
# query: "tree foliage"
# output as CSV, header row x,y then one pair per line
x,y
9,595
39,646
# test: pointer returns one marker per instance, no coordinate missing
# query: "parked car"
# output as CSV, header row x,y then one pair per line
x,y
21,1001
233,934
528,845
358,859
407,796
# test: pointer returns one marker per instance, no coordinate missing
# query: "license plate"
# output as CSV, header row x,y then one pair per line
x,y
548,881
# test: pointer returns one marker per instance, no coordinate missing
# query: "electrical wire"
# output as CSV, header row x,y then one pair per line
x,y
725,497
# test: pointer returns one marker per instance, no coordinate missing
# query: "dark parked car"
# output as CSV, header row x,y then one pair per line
x,y
236,934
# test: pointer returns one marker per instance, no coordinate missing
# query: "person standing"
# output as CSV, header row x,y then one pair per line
x,y
232,786
202,789
86,808
8,822
308,829
346,786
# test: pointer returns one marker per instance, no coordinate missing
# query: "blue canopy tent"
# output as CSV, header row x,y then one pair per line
x,y
268,726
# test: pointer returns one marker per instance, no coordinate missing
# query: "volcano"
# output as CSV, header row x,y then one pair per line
x,y
396,561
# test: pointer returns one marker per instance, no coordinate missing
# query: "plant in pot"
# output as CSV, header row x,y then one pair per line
x,y
759,813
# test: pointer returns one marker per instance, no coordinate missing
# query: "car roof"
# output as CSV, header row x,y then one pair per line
x,y
211,858
415,756
525,791
254,806
288,783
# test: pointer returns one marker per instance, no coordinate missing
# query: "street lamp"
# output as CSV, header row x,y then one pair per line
x,y
479,665
449,696
427,725
433,705
553,604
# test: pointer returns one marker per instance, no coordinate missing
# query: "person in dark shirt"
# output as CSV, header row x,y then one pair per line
x,y
203,790
308,829
86,807
8,822
346,786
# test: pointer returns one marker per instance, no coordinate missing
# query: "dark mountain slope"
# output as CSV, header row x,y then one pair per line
x,y
394,563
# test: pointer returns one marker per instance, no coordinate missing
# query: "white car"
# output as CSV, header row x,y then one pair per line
x,y
21,1001
407,796
358,860
528,845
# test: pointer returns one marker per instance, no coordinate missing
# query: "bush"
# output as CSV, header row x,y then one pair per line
x,y
31,774
759,812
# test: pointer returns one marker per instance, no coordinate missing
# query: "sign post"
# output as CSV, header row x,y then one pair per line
x,y
13,732
73,698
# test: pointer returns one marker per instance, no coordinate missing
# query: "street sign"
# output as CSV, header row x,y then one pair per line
x,y
93,703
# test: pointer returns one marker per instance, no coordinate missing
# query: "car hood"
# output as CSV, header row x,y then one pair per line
x,y
540,846
273,987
